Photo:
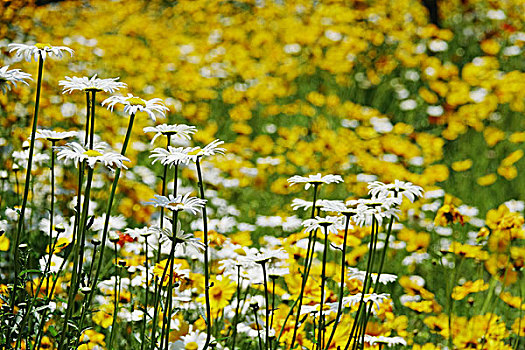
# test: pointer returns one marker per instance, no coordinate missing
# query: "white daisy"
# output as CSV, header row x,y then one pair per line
x,y
379,208
332,223
210,149
265,256
179,203
54,136
397,189
76,153
187,243
90,84
314,180
194,340
171,156
34,51
180,131
323,204
22,157
354,299
389,341
385,278
13,76
133,104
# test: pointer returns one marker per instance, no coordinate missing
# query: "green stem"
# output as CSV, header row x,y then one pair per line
x,y
92,131
258,329
146,301
320,333
88,105
341,287
236,318
26,189
108,213
267,304
167,316
206,263
75,278
365,287
116,300
309,250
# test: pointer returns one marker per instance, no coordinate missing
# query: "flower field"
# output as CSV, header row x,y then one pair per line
x,y
262,174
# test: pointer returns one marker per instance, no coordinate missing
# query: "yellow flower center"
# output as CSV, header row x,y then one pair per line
x,y
194,153
191,346
42,46
136,101
92,153
175,205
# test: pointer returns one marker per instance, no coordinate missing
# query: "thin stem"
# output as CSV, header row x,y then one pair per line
x,y
88,105
309,251
167,316
267,304
116,300
236,318
146,301
108,213
157,300
75,278
273,299
92,131
52,209
320,333
206,263
258,328
17,187
341,287
26,188
365,286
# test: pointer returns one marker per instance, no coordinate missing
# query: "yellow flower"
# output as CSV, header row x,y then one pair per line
x,y
462,165
508,172
460,292
487,180
490,46
493,136
512,301
512,158
448,213
4,243
517,137
221,294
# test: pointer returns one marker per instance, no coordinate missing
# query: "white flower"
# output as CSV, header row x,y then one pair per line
x,y
76,153
179,203
360,275
397,190
187,243
54,136
180,131
354,299
379,208
389,341
298,203
332,223
133,104
56,262
265,256
314,180
90,84
22,157
12,76
194,340
210,149
34,51
171,156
